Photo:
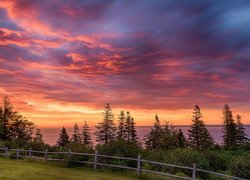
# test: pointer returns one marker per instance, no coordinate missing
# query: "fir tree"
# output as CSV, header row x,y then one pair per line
x,y
181,140
229,128
130,131
121,131
63,139
199,137
241,135
76,136
106,130
38,136
86,138
153,138
6,115
169,137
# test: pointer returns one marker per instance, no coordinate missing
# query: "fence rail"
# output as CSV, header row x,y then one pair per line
x,y
139,169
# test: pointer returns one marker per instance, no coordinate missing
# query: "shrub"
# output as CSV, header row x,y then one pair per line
x,y
119,148
240,166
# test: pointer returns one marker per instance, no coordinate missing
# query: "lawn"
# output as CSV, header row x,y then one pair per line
x,y
35,170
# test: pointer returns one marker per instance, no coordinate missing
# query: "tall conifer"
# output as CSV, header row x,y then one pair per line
x,y
199,137
86,137
63,139
76,136
241,135
121,131
229,128
106,130
154,137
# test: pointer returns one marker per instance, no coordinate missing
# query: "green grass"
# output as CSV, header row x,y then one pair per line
x,y
37,170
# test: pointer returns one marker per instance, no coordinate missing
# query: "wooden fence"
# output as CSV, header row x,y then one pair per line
x,y
20,153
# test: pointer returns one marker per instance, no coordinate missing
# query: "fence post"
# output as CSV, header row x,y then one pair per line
x,y
17,153
139,165
69,154
95,159
6,150
194,171
30,152
46,155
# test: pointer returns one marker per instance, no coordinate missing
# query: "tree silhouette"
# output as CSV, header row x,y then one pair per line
x,y
106,130
130,131
181,140
86,138
63,139
199,137
229,128
6,115
241,135
121,131
154,137
38,136
76,136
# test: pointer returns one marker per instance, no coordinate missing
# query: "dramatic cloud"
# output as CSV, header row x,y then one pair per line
x,y
63,60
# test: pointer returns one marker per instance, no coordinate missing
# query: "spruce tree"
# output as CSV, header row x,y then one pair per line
x,y
130,131
63,139
76,136
169,137
229,128
181,140
199,137
6,115
153,138
121,131
106,130
38,136
241,135
86,137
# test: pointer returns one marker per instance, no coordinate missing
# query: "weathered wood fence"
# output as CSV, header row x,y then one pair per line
x,y
19,153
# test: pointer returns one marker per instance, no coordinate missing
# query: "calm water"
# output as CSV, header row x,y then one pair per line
x,y
50,135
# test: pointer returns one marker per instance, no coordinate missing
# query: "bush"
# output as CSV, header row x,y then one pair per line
x,y
240,166
184,157
119,148
38,146
217,161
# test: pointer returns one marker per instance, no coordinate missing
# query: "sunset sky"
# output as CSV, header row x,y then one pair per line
x,y
61,61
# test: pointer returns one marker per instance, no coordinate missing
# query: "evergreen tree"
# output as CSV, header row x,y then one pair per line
x,y
229,128
121,131
76,136
86,138
241,135
169,137
153,138
130,131
181,140
20,129
63,139
106,130
6,114
38,136
199,137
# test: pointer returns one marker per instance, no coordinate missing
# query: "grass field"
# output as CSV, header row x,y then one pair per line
x,y
35,170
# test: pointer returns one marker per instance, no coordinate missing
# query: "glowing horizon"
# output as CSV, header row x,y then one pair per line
x,y
60,62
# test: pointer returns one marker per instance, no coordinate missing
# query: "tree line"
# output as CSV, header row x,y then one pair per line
x,y
17,129
160,136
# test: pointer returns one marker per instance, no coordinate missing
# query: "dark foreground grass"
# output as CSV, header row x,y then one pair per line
x,y
37,170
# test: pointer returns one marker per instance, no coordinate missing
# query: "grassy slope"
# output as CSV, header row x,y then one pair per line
x,y
24,169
